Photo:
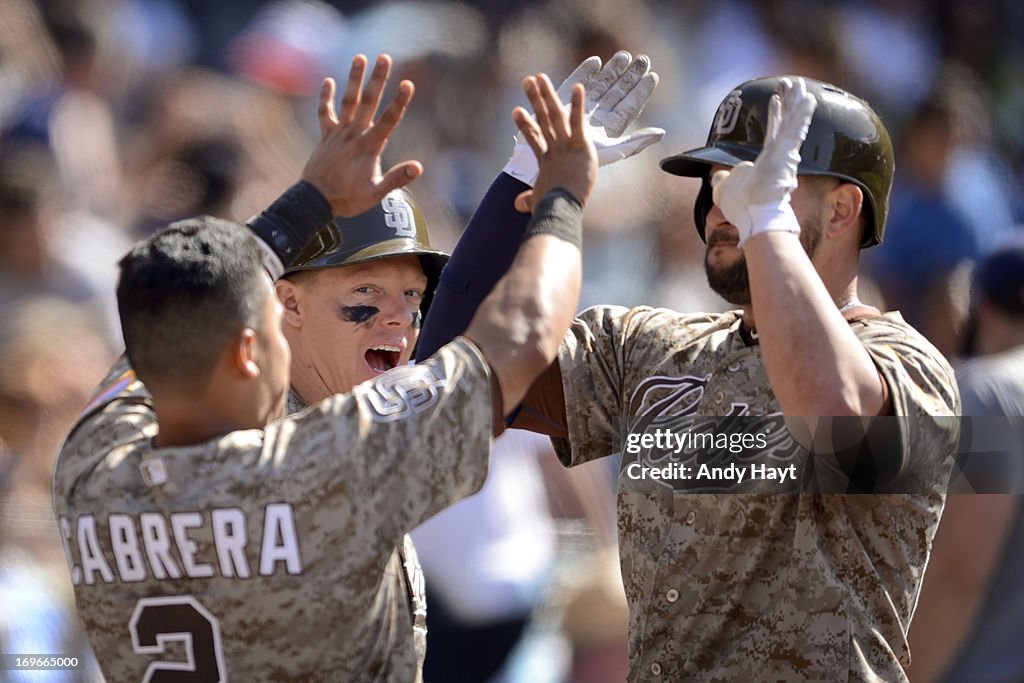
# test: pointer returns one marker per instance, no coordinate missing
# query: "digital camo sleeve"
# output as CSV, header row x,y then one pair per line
x,y
923,391
120,383
399,448
120,411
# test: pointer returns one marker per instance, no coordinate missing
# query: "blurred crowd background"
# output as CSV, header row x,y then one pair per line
x,y
119,116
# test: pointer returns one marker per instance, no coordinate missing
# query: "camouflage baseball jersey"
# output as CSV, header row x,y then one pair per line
x,y
404,572
267,555
779,585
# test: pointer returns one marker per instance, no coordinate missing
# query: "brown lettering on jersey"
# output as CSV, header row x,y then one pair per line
x,y
662,394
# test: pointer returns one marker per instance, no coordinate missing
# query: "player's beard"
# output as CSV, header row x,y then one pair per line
x,y
732,282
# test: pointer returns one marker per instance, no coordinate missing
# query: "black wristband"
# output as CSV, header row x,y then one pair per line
x,y
560,214
287,225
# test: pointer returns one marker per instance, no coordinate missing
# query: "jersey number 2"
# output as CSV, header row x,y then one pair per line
x,y
156,622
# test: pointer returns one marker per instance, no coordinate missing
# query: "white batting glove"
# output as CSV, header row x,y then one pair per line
x,y
755,196
616,95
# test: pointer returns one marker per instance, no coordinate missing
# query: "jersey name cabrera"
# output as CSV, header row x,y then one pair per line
x,y
141,545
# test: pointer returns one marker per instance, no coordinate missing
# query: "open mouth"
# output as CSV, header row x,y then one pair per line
x,y
382,357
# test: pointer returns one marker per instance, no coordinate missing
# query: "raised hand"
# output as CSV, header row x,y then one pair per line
x,y
616,94
753,196
345,165
560,142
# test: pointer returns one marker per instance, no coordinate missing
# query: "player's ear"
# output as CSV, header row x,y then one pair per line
x,y
288,293
244,354
845,201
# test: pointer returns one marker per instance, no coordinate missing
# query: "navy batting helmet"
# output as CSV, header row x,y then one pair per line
x,y
394,228
846,140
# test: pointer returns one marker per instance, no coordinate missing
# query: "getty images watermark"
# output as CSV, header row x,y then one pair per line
x,y
759,454
671,449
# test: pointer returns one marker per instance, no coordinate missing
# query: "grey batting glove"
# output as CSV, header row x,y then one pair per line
x,y
755,196
616,95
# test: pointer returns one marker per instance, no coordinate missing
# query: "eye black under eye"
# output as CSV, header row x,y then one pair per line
x,y
358,314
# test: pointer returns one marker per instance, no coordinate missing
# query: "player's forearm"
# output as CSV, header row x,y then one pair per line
x,y
483,255
814,361
521,323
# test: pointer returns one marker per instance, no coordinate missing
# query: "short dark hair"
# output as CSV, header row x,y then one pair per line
x,y
183,294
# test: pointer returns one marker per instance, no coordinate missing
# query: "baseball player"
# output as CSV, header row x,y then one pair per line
x,y
765,578
353,301
355,295
226,545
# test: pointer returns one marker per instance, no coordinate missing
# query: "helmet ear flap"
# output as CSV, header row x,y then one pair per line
x,y
433,265
701,208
